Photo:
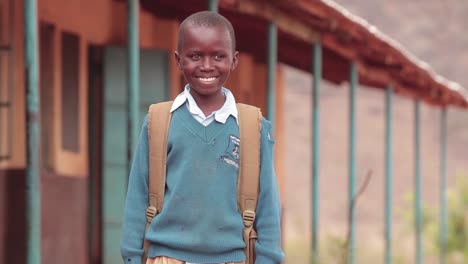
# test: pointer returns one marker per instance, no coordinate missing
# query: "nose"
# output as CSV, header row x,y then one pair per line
x,y
207,64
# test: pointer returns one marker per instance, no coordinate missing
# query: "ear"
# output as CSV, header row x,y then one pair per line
x,y
178,60
235,60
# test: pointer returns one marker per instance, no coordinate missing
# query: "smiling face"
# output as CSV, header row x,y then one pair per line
x,y
206,58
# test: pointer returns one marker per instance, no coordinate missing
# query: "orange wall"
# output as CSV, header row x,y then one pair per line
x,y
104,23
19,136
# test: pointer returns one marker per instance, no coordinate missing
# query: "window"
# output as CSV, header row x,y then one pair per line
x,y
46,60
70,92
63,95
69,123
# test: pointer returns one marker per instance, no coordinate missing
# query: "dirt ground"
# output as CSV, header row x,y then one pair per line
x,y
370,156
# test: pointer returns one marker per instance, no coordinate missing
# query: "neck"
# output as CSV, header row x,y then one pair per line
x,y
209,103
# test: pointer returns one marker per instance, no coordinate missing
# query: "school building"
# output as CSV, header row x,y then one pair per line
x,y
61,196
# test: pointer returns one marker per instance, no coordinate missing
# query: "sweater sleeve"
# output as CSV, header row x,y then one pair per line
x,y
134,221
268,214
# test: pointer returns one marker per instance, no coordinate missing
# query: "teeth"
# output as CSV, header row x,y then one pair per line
x,y
210,79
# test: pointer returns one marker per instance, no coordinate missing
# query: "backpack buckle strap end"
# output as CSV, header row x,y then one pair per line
x,y
249,217
151,212
152,209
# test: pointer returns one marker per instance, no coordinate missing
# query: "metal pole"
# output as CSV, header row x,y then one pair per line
x,y
443,185
317,70
91,151
352,160
271,75
33,190
388,175
417,183
213,5
133,78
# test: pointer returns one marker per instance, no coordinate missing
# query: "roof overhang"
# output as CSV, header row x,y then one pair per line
x,y
345,38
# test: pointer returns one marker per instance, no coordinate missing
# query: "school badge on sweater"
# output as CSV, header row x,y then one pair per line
x,y
232,153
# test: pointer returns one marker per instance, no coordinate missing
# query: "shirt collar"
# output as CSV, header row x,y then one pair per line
x,y
221,115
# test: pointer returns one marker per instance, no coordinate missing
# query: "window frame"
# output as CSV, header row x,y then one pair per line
x,y
70,163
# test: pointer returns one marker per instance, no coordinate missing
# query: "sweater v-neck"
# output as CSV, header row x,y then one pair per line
x,y
205,133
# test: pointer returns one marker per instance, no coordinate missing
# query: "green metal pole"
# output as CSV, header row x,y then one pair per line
x,y
388,175
91,151
33,189
133,78
352,161
271,75
443,185
213,5
317,70
417,182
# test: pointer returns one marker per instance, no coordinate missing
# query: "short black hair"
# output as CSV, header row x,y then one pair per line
x,y
207,19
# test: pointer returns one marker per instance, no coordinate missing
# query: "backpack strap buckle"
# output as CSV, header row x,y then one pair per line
x,y
151,213
249,217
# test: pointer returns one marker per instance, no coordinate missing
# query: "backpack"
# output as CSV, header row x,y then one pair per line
x,y
159,118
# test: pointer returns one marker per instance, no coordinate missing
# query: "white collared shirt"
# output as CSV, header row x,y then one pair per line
x,y
220,115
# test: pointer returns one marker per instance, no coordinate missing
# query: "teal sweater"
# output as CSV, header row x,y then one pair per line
x,y
200,221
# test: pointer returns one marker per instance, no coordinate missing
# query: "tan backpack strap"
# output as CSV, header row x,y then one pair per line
x,y
159,118
249,170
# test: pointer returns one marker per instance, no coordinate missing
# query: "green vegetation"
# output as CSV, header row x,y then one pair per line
x,y
457,224
333,247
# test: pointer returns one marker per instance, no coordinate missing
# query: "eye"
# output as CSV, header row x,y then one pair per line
x,y
195,57
219,57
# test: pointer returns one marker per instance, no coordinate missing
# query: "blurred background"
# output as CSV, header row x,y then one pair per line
x,y
434,31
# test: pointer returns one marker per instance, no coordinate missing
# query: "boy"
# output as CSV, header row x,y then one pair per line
x,y
200,221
